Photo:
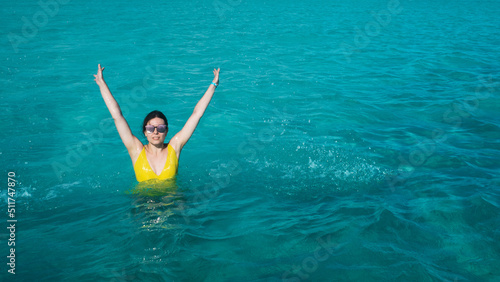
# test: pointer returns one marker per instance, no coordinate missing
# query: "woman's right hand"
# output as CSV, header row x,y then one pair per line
x,y
98,77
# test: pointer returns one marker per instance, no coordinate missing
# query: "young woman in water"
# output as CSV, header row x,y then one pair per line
x,y
157,159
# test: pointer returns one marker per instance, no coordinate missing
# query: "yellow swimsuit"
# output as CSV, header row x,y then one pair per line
x,y
143,170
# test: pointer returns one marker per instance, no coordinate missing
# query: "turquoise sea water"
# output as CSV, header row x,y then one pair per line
x,y
347,141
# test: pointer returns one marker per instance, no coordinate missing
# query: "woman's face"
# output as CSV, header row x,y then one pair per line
x,y
156,137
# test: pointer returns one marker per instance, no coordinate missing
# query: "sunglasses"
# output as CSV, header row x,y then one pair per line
x,y
161,128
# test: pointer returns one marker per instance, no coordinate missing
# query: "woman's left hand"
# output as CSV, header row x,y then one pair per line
x,y
216,76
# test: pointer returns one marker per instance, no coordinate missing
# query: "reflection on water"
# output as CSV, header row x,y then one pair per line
x,y
155,203
155,188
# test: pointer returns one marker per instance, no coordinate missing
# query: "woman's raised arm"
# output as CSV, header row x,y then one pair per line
x,y
182,137
131,142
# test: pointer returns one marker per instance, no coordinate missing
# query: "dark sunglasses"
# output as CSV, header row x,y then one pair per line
x,y
161,128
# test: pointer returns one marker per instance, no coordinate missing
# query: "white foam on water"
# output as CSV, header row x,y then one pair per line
x,y
330,168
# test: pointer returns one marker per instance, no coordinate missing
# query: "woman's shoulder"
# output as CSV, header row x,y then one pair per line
x,y
136,152
169,145
175,145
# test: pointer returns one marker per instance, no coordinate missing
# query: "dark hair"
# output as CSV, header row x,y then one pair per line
x,y
152,115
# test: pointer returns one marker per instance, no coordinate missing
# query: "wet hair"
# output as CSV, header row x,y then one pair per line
x,y
152,115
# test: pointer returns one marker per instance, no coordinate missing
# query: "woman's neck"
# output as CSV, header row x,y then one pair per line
x,y
155,148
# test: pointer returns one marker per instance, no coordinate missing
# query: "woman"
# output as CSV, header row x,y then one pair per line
x,y
157,159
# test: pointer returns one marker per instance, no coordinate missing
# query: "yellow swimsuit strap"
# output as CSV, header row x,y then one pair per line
x,y
143,170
